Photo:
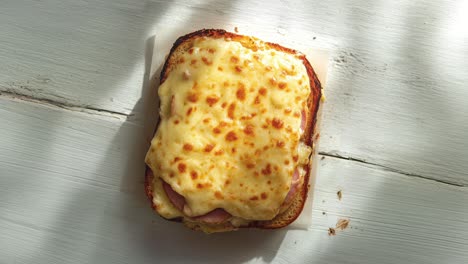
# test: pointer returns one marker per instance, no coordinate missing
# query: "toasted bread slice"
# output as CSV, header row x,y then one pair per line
x,y
295,206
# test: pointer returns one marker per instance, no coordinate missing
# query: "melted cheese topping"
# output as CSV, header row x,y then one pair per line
x,y
229,135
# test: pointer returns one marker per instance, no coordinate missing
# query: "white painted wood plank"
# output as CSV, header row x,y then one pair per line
x,y
396,93
72,193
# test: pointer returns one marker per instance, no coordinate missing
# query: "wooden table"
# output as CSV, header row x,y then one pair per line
x,y
77,112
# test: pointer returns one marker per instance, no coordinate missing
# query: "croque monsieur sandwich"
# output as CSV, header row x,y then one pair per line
x,y
234,140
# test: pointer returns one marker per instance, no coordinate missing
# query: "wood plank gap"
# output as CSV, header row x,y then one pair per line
x,y
387,168
68,106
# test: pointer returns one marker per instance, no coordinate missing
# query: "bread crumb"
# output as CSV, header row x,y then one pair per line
x,y
236,30
317,136
339,194
342,224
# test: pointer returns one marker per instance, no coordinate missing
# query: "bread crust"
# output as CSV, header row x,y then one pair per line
x,y
183,44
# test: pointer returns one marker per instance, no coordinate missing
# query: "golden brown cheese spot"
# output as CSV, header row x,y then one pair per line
x,y
181,167
190,51
192,97
211,50
233,150
194,175
219,152
295,158
262,91
223,124
176,159
206,61
203,185
273,81
268,68
267,170
181,60
209,148
217,130
287,111
250,165
224,105
254,198
220,68
277,123
176,122
263,195
227,182
234,59
206,120
231,136
249,130
280,144
225,83
188,147
219,195
193,62
231,109
241,92
257,100
211,100
189,111
286,162
282,85
238,68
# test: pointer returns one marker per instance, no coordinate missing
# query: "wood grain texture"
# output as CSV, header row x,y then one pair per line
x,y
72,192
71,180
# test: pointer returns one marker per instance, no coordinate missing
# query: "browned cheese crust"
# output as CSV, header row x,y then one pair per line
x,y
182,45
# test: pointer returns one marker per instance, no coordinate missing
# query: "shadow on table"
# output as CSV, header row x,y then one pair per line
x,y
148,237
119,226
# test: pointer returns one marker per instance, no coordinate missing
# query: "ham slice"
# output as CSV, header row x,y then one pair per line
x,y
176,199
216,216
303,119
294,186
